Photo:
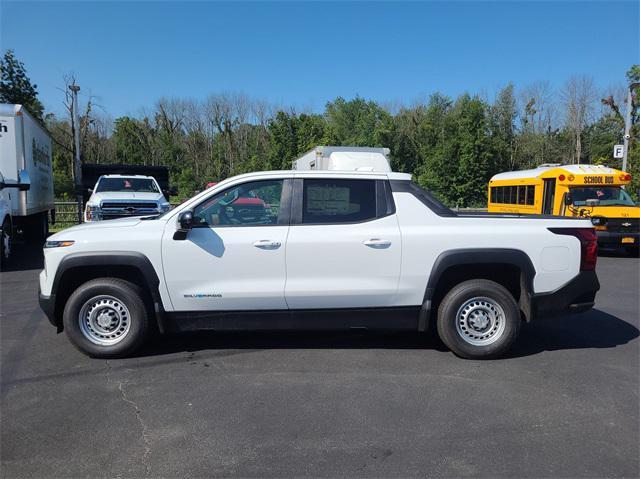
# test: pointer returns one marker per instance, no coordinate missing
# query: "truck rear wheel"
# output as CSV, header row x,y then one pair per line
x,y
478,319
106,318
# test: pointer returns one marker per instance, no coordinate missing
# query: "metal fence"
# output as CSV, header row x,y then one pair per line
x,y
66,215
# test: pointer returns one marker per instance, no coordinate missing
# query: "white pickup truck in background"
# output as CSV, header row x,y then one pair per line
x,y
329,250
119,196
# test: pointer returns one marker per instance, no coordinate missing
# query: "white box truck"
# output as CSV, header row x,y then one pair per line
x,y
344,158
26,177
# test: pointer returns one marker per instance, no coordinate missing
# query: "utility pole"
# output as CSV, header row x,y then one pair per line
x,y
77,166
627,125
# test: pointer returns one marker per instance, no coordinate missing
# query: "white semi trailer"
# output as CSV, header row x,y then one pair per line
x,y
344,158
26,186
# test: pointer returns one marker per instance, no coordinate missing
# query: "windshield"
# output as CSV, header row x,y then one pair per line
x,y
141,185
607,195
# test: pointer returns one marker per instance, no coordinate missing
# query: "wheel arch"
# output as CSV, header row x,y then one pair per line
x,y
78,268
511,268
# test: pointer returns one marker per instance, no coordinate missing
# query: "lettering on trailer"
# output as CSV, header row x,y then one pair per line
x,y
4,128
40,154
598,180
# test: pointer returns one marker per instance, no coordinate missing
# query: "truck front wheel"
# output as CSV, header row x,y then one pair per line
x,y
6,243
106,318
478,319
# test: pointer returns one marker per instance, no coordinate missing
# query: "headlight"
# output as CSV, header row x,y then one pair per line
x,y
93,212
598,221
165,207
58,244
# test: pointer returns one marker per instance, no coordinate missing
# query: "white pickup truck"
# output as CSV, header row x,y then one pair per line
x,y
316,250
118,196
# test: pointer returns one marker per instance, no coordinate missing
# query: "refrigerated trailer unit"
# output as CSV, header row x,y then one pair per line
x,y
25,159
344,158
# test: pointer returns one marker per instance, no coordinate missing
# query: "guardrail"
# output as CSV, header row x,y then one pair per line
x,y
469,210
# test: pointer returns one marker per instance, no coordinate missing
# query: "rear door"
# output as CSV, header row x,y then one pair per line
x,y
343,248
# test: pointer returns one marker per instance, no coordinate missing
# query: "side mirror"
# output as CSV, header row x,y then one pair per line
x,y
185,223
23,184
568,200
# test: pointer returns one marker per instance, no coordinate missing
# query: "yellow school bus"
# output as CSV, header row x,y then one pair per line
x,y
590,191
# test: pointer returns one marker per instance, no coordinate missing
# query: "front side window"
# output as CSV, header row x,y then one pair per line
x,y
249,204
138,185
607,196
338,201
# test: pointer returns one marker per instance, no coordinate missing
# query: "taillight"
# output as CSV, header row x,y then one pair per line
x,y
588,245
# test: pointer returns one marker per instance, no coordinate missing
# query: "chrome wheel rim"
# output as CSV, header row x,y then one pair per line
x,y
480,321
104,320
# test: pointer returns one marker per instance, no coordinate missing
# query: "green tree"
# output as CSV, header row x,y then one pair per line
x,y
502,118
132,140
356,123
16,87
283,140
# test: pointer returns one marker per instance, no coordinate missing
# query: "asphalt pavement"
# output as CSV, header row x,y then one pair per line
x,y
563,404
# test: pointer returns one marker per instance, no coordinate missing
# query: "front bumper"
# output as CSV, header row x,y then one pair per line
x,y
576,296
48,306
609,238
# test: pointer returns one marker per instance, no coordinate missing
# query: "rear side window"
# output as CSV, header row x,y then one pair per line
x,y
338,201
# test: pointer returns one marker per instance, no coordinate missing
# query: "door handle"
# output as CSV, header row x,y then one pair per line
x,y
377,243
267,244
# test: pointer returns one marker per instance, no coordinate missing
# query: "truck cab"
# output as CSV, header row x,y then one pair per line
x,y
6,221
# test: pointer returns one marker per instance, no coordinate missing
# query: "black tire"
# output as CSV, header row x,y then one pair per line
x,y
39,228
488,325
7,235
131,323
633,251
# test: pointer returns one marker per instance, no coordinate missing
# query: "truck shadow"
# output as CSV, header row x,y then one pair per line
x,y
592,330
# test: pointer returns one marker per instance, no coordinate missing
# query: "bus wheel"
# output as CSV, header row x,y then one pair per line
x,y
633,251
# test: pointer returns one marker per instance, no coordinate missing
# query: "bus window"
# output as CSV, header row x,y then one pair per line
x,y
531,195
548,196
522,195
493,194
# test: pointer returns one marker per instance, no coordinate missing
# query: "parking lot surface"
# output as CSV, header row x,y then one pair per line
x,y
563,404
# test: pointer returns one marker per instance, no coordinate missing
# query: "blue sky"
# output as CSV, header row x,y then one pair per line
x,y
129,54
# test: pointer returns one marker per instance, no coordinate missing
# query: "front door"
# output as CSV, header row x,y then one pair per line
x,y
344,251
548,196
234,257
